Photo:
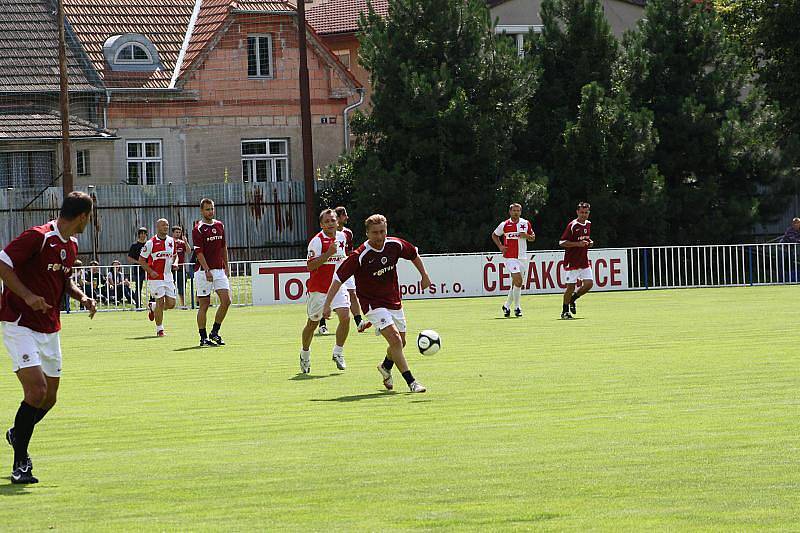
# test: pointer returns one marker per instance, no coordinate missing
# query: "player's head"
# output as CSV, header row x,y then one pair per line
x,y
177,232
796,223
583,211
77,208
207,209
515,210
341,214
141,234
376,230
162,227
328,221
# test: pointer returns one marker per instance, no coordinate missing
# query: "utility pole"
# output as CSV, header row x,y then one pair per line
x,y
66,156
305,122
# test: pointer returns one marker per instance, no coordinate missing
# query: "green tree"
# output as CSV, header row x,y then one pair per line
x,y
448,98
714,148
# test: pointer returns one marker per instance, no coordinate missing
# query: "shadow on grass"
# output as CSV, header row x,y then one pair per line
x,y
187,348
12,489
304,377
356,397
143,337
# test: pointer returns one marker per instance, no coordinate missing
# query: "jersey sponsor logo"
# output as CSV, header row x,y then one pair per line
x,y
55,267
214,237
383,270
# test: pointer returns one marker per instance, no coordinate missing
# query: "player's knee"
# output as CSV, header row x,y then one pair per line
x,y
395,339
35,395
588,284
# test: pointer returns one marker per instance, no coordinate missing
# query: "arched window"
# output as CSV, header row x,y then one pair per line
x,y
133,53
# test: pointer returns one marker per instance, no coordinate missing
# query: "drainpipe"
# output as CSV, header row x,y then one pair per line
x,y
105,109
347,109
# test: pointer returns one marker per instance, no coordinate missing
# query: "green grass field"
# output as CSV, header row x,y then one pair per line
x,y
663,410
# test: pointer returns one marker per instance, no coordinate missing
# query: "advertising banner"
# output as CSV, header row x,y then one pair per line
x,y
453,276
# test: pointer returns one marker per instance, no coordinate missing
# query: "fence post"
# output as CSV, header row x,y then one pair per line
x,y
191,285
750,263
646,268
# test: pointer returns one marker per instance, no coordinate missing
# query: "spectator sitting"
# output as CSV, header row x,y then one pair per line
x,y
79,276
96,286
119,287
792,234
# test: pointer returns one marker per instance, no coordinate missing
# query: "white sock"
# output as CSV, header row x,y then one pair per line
x,y
517,291
160,327
307,353
338,350
509,298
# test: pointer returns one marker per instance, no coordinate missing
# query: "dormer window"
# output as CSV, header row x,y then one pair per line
x,y
132,52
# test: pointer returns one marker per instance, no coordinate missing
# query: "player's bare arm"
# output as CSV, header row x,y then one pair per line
x,y
12,281
334,288
530,236
574,244
201,258
420,266
147,268
317,262
497,243
76,293
227,263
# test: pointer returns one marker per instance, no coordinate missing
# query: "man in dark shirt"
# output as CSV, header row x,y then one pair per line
x,y
792,234
133,258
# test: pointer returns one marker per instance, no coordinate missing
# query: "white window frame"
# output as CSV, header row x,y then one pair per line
x,y
259,74
83,168
249,161
148,61
519,31
144,160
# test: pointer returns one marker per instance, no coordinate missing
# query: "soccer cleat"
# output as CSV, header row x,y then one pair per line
x,y
23,474
566,316
387,377
506,311
323,330
216,339
572,307
517,312
416,386
206,342
160,333
339,360
305,363
365,325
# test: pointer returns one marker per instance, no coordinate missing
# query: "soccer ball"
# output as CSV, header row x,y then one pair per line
x,y
428,342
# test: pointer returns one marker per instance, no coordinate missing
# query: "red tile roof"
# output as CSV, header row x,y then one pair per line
x,y
163,22
28,124
341,16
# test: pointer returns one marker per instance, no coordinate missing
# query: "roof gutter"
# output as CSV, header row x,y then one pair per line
x,y
186,39
361,91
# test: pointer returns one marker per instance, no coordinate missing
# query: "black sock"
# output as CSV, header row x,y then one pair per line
x,y
357,318
565,308
203,333
387,364
215,328
40,414
23,429
574,297
322,322
408,377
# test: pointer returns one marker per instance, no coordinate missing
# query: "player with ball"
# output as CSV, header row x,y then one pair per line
x,y
374,266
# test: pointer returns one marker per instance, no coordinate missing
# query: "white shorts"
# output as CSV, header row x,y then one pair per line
x,y
159,288
514,266
382,318
316,301
572,276
350,283
29,348
203,287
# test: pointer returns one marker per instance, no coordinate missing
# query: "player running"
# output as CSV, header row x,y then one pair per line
x,y
211,272
576,242
374,266
516,232
156,259
326,251
36,272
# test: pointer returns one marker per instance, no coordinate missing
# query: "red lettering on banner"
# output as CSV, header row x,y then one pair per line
x,y
533,276
486,286
547,277
294,282
602,280
504,278
275,271
615,272
559,274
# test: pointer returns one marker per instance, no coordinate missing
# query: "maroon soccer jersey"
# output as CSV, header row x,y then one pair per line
x,y
180,251
42,259
209,240
376,274
575,258
348,235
